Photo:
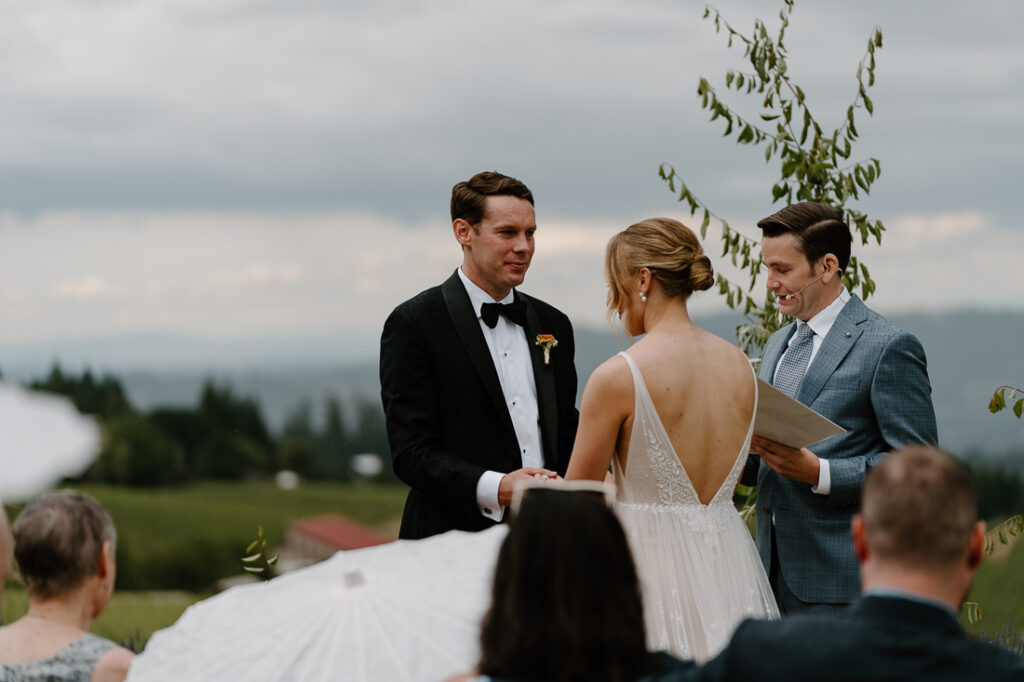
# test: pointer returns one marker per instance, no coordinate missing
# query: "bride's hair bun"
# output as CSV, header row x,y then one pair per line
x,y
702,276
671,251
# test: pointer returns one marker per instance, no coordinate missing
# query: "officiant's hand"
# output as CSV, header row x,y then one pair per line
x,y
798,465
509,480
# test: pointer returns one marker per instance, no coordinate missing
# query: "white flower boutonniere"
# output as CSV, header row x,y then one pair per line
x,y
547,342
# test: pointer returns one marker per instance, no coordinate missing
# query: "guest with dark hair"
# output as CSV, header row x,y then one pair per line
x,y
566,602
918,542
64,549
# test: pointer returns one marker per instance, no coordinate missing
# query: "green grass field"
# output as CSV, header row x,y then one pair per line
x,y
192,536
130,618
188,538
999,591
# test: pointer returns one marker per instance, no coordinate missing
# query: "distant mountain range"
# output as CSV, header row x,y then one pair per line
x,y
970,353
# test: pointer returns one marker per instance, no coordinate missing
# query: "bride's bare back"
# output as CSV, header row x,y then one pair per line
x,y
702,388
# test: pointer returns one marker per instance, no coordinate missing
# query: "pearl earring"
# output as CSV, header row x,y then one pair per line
x,y
643,299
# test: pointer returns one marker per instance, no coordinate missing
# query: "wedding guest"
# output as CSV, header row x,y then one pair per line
x,y
476,395
919,543
64,550
850,364
566,601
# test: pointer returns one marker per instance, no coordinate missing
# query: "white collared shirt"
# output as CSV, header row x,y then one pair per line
x,y
820,324
510,353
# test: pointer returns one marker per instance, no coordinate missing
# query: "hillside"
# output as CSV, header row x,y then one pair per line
x,y
969,354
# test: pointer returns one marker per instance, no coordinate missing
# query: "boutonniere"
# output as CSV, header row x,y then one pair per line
x,y
547,342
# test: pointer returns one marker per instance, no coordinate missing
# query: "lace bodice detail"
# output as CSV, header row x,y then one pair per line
x,y
699,572
654,475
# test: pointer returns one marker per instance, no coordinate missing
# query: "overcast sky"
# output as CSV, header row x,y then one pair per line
x,y
240,170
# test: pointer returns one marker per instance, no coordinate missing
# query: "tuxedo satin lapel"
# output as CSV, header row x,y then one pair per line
x,y
460,309
834,347
544,378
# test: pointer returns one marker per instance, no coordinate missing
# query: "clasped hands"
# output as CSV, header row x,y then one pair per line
x,y
795,464
508,482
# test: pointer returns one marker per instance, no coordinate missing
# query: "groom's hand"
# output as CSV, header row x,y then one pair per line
x,y
509,480
798,465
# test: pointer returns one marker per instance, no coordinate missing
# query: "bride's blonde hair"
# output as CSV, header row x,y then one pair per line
x,y
668,248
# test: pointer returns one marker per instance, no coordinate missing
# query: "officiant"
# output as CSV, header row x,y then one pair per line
x,y
477,378
849,364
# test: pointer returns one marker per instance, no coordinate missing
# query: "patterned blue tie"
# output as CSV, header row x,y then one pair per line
x,y
794,363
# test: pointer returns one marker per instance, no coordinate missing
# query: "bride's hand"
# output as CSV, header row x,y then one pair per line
x,y
508,482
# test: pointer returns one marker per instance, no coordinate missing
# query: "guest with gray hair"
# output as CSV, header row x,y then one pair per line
x,y
64,545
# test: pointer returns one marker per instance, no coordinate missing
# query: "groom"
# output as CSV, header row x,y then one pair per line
x,y
475,395
851,365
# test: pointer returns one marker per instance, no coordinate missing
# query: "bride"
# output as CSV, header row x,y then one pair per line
x,y
673,417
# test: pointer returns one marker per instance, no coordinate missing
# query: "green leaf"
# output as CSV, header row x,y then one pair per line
x,y
998,402
746,136
1018,408
867,103
252,546
251,558
704,224
250,569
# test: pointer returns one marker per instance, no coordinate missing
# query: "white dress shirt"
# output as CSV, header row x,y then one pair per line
x,y
820,324
510,352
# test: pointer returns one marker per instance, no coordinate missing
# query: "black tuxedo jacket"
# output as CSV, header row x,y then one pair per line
x,y
877,638
446,416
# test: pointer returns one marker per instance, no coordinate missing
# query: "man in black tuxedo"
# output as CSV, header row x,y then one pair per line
x,y
473,399
918,544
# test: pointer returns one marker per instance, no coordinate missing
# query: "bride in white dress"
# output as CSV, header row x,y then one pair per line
x,y
673,418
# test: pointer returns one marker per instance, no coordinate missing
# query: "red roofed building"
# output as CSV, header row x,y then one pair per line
x,y
319,537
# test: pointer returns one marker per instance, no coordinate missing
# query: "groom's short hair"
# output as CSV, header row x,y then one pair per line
x,y
919,507
469,197
818,229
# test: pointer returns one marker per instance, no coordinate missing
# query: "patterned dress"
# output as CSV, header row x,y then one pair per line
x,y
73,663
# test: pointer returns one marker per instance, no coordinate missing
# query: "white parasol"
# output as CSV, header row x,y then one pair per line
x,y
406,610
43,438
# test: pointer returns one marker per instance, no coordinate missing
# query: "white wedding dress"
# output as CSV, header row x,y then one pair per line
x,y
699,570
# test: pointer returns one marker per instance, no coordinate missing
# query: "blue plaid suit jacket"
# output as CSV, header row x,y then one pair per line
x,y
871,378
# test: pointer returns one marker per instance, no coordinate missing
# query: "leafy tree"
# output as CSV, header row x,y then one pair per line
x,y
333,451
814,165
229,412
104,397
297,446
136,452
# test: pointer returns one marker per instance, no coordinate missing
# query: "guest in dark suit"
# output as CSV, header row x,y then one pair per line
x,y
477,378
849,364
918,544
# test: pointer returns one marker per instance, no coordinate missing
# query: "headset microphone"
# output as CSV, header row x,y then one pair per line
x,y
789,297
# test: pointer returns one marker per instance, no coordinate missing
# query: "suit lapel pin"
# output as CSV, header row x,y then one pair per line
x,y
547,342
848,335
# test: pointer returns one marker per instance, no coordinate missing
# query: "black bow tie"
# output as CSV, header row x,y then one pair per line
x,y
514,312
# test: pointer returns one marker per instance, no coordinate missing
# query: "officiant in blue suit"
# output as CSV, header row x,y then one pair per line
x,y
477,378
851,365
